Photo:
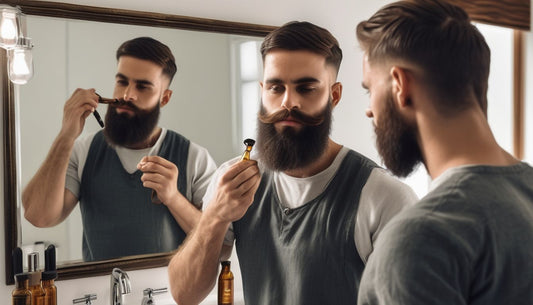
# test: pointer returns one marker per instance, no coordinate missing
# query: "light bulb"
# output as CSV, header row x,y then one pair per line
x,y
20,62
9,30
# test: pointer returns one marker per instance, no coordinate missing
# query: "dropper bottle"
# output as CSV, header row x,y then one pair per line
x,y
21,295
49,275
249,144
37,291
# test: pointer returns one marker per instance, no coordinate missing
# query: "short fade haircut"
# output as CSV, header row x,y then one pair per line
x,y
152,50
439,38
302,35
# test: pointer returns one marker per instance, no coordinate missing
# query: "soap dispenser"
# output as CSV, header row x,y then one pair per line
x,y
49,275
37,291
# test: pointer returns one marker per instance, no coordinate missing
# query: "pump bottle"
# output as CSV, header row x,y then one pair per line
x,y
37,291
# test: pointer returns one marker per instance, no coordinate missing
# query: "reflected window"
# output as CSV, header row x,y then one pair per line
x,y
247,93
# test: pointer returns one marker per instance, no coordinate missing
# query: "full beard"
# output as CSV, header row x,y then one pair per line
x,y
290,148
396,142
125,130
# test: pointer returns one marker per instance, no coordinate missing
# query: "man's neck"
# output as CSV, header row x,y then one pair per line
x,y
323,162
465,139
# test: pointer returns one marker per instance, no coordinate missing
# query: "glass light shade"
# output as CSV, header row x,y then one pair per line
x,y
9,26
20,62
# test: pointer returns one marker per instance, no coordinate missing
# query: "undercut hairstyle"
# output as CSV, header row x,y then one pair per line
x,y
147,48
437,37
304,36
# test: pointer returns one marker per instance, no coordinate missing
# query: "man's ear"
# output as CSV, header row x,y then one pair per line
x,y
166,97
336,93
401,87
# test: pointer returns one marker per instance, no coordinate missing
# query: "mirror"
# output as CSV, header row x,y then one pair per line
x,y
44,97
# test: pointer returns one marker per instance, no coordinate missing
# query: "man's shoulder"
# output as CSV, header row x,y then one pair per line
x,y
359,156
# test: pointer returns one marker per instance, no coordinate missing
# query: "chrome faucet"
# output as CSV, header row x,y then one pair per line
x,y
120,285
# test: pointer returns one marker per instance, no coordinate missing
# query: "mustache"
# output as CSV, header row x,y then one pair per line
x,y
295,115
124,104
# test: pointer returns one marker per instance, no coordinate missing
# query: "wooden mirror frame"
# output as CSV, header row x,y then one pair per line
x,y
101,14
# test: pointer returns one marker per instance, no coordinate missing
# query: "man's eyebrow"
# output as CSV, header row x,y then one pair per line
x,y
303,80
137,81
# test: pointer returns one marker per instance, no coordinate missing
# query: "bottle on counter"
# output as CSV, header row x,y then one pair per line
x,y
225,284
21,295
49,275
37,291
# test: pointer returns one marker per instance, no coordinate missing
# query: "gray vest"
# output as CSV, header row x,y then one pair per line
x,y
118,216
306,255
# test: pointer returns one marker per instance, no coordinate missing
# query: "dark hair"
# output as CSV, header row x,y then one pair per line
x,y
150,49
301,35
437,37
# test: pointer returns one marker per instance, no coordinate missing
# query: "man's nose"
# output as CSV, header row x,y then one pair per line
x,y
290,101
369,113
129,94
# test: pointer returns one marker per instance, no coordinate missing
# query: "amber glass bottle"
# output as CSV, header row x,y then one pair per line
x,y
49,287
21,295
37,291
249,144
49,275
225,285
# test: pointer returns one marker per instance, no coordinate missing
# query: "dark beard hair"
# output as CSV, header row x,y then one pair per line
x,y
289,148
123,130
396,142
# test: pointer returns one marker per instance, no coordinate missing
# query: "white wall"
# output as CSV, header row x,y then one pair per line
x,y
350,128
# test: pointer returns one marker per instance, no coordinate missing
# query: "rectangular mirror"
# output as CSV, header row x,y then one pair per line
x,y
81,53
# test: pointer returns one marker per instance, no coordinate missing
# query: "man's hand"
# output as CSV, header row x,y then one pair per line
x,y
77,108
235,191
160,175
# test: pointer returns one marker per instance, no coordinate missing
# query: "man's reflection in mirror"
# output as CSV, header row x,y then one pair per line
x,y
115,172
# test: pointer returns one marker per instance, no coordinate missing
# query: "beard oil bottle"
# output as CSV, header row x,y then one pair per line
x,y
225,284
21,295
49,275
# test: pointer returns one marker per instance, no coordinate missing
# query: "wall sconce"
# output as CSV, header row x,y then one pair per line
x,y
18,47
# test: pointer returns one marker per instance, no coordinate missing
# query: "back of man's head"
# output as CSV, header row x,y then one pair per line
x,y
438,38
150,49
304,36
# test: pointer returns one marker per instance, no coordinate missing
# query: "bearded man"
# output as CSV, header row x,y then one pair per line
x,y
114,173
470,239
305,215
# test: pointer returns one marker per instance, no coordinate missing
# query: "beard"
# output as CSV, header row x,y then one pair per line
x,y
290,148
396,142
125,130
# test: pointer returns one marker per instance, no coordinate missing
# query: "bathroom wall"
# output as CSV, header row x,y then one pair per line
x,y
350,128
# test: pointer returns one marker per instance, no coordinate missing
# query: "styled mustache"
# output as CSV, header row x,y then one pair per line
x,y
295,115
116,102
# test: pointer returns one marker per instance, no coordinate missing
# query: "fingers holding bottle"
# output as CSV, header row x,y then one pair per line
x,y
78,107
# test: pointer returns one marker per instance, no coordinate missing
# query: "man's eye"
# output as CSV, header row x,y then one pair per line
x,y
141,87
122,82
276,88
306,89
